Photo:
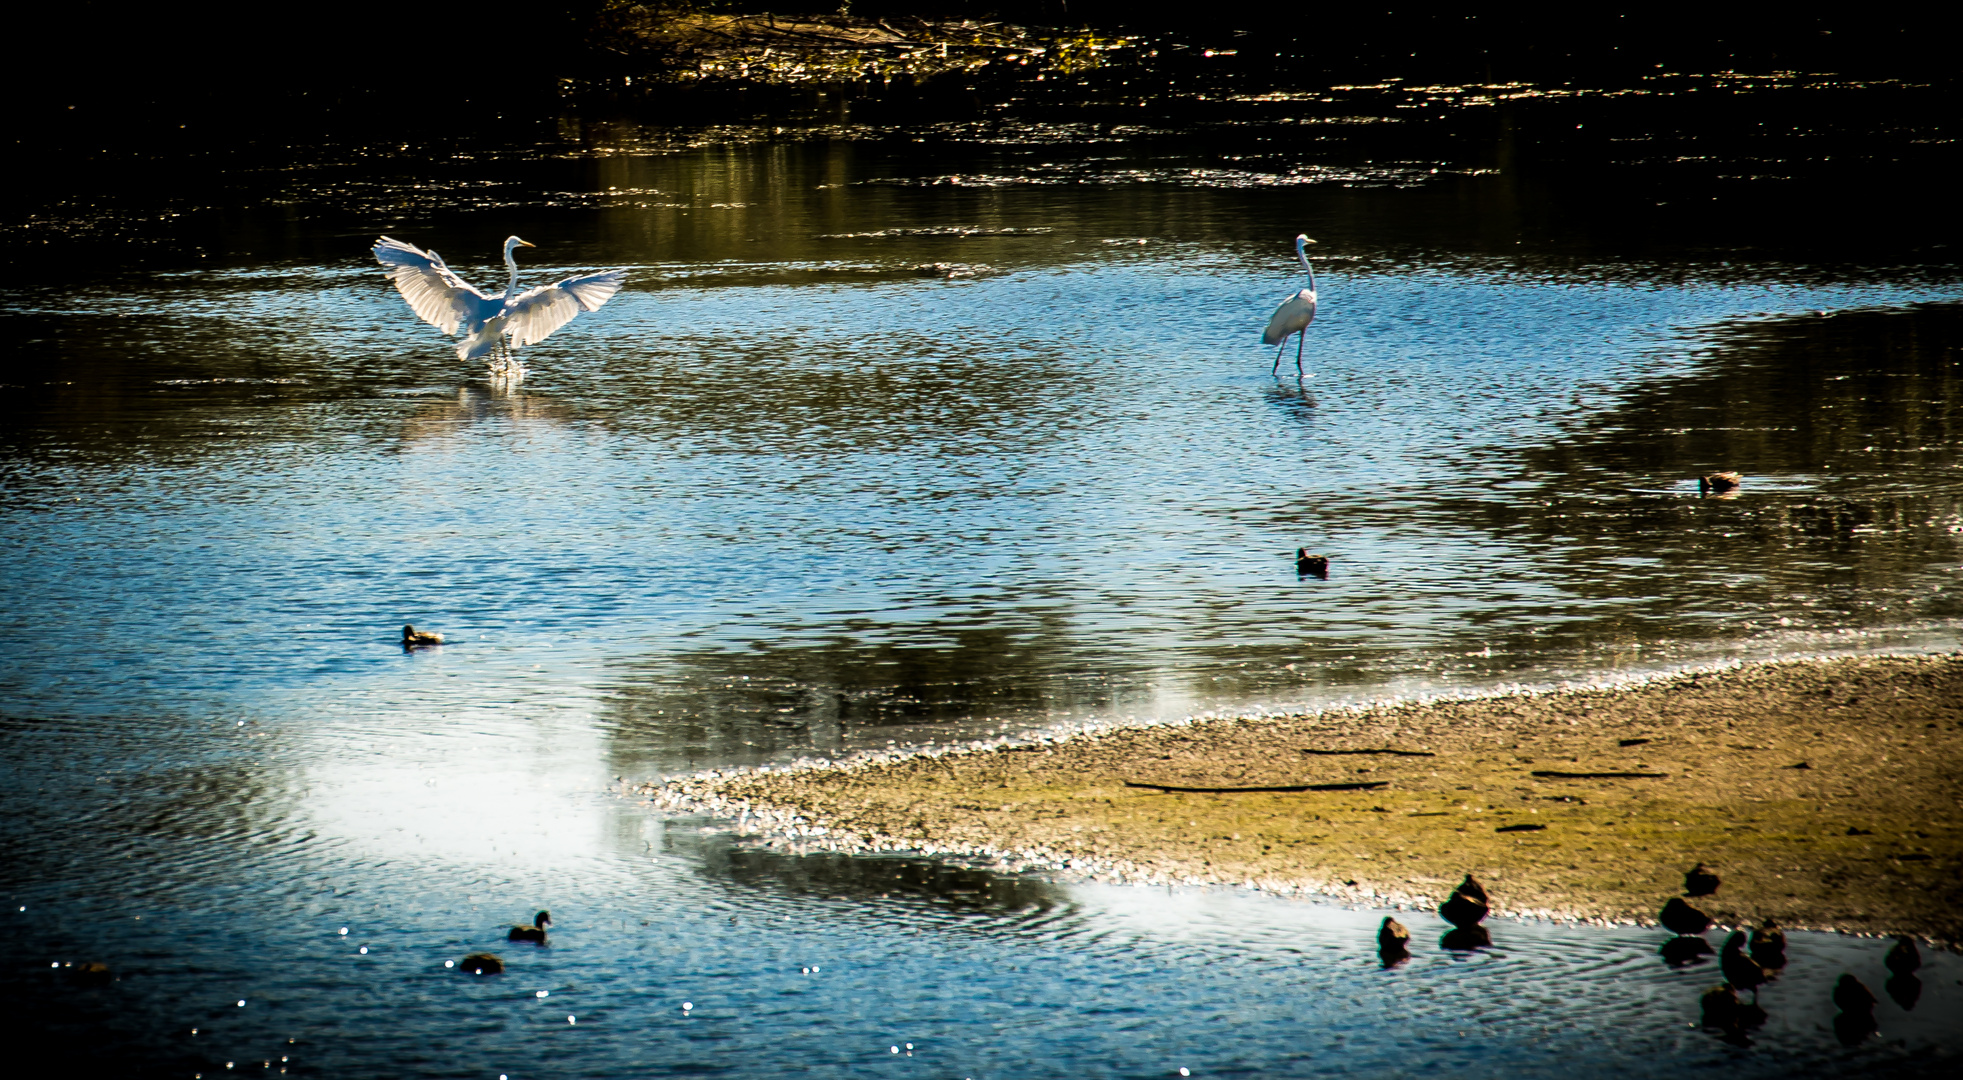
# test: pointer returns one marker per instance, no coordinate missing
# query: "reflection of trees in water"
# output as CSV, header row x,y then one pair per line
x,y
862,877
1848,429
729,706
437,418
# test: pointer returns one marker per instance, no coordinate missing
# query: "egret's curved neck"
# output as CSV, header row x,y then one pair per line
x,y
1301,252
511,261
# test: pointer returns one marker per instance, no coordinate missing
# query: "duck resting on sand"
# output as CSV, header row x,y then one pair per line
x,y
1699,881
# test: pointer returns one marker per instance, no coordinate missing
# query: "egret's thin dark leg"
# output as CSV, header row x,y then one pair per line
x,y
1299,340
1284,348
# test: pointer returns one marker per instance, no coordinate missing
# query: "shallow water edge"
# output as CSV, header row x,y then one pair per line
x,y
1815,787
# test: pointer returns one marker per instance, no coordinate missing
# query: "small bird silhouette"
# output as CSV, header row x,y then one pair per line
x,y
1769,945
1680,918
533,931
1850,995
1719,483
1393,942
482,963
414,638
1699,881
1308,565
1740,970
1466,906
1904,958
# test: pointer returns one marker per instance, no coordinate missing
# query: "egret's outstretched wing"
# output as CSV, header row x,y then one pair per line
x,y
537,312
438,296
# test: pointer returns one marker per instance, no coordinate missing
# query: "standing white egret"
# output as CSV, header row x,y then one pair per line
x,y
497,324
1294,315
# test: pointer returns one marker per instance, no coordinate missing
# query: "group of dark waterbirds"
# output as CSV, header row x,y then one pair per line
x,y
483,963
1749,963
1746,962
1465,909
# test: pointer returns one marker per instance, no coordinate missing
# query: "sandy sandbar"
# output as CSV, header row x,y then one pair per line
x,y
1825,793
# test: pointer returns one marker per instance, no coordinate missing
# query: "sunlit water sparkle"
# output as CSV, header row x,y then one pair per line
x,y
790,494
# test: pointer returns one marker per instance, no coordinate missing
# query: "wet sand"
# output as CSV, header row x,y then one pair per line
x,y
1825,794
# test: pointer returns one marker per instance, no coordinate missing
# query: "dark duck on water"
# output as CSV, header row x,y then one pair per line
x,y
1740,970
1680,918
413,638
1466,907
1904,958
1769,945
1393,942
533,931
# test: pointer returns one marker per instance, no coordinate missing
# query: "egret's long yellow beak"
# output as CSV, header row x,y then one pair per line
x,y
528,243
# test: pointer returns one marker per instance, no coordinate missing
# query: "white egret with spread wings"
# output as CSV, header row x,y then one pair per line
x,y
1295,313
497,324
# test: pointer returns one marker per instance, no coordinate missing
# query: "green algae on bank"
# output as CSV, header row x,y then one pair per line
x,y
1825,793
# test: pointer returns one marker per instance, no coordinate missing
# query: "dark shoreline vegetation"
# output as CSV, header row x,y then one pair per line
x,y
1814,140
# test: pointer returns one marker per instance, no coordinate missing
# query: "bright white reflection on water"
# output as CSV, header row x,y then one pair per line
x,y
791,493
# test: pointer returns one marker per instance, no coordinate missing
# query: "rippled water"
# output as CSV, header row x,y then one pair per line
x,y
890,441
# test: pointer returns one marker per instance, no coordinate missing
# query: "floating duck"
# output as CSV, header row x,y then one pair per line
x,y
1740,970
414,638
1680,918
1308,565
1719,483
1769,945
1699,881
1393,942
1904,958
1720,1004
482,963
532,931
1466,906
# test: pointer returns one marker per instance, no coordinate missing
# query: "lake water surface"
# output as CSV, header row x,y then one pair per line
x,y
899,436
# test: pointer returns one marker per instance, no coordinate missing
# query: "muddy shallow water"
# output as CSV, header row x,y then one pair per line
x,y
889,441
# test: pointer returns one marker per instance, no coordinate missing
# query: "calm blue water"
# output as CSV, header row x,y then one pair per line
x,y
787,494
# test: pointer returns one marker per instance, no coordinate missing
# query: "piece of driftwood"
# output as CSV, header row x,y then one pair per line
x,y
1396,753
1552,775
1522,827
1284,787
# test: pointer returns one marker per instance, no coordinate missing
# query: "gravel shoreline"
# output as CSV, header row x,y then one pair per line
x,y
1826,794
